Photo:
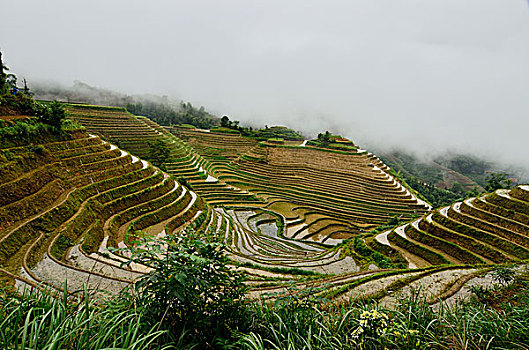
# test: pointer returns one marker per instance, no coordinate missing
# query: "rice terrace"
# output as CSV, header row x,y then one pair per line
x,y
138,222
284,209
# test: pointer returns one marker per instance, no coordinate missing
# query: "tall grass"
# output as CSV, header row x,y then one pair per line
x,y
413,324
45,320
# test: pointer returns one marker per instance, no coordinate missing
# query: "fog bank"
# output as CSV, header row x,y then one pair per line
x,y
423,75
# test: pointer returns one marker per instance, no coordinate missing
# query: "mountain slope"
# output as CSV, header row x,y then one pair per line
x,y
231,170
285,210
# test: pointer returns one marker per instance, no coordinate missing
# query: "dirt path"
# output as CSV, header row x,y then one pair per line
x,y
78,259
430,286
116,260
51,272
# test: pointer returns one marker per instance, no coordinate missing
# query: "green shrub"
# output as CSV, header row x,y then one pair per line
x,y
191,286
52,114
504,275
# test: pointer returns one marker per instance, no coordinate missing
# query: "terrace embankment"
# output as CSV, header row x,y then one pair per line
x,y
289,214
363,193
492,228
81,195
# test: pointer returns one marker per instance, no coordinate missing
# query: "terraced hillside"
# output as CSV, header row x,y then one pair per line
x,y
63,203
283,210
231,170
295,181
136,134
448,252
490,229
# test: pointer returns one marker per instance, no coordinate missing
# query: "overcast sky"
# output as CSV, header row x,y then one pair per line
x,y
423,74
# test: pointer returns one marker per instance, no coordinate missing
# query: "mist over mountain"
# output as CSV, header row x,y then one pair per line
x,y
346,162
477,165
85,93
426,77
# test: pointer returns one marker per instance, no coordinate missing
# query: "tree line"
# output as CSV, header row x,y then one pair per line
x,y
165,114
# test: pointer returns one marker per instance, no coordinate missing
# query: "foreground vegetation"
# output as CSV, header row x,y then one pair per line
x,y
193,300
46,320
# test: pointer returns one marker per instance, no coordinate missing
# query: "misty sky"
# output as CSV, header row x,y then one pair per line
x,y
424,74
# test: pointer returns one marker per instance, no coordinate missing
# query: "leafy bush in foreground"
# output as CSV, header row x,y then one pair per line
x,y
414,324
190,287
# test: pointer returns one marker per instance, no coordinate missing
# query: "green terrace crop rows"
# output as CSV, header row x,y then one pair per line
x,y
492,228
291,215
364,195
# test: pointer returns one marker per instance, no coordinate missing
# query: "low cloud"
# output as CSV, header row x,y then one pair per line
x,y
424,75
